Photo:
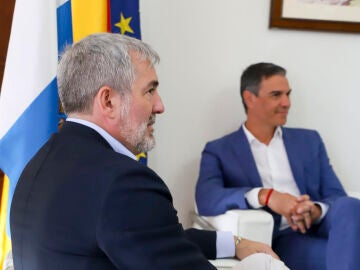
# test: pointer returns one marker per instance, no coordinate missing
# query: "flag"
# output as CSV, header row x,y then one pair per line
x,y
115,16
5,244
142,158
29,111
28,101
124,18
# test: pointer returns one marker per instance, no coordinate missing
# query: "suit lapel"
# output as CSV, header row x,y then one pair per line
x,y
244,154
292,151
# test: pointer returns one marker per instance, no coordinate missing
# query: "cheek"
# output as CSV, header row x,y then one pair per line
x,y
272,107
140,114
267,108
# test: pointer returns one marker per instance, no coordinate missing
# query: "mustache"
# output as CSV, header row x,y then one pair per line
x,y
152,119
282,110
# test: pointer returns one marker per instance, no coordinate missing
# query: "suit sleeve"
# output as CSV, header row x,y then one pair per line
x,y
205,240
138,226
213,196
329,188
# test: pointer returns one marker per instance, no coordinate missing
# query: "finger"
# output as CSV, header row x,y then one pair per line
x,y
292,223
307,219
290,220
301,226
299,221
303,198
305,207
272,253
263,248
294,227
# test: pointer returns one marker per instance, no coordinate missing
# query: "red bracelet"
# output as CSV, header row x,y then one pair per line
x,y
268,196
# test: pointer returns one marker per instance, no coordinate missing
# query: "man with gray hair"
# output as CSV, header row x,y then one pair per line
x,y
83,201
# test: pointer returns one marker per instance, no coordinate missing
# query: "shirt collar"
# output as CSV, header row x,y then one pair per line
x,y
251,138
115,144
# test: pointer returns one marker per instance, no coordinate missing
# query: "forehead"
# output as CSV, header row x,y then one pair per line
x,y
274,83
145,74
140,63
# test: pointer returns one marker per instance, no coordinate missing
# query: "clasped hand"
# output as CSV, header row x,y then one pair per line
x,y
300,212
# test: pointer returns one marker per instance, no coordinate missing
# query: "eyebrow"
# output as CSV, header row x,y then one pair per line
x,y
281,91
153,83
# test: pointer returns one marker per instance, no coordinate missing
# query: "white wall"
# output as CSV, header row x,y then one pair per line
x,y
205,45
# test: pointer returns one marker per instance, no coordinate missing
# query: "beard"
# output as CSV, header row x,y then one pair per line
x,y
137,136
144,141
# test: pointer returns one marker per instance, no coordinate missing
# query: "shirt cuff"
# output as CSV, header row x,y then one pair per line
x,y
324,209
225,245
252,198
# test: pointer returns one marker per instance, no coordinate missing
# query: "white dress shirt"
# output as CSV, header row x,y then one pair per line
x,y
274,168
225,245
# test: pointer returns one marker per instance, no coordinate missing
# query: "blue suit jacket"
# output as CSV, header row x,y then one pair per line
x,y
228,171
80,205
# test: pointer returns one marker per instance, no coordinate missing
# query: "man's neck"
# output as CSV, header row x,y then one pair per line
x,y
116,144
261,132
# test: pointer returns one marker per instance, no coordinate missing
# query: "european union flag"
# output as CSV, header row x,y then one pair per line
x,y
125,18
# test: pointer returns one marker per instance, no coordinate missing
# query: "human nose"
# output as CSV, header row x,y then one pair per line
x,y
285,101
158,105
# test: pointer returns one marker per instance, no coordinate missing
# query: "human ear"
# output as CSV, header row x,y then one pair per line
x,y
249,98
106,100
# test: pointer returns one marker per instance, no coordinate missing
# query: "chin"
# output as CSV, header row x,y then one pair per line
x,y
281,122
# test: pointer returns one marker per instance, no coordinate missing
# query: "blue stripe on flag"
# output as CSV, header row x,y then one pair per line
x,y
64,26
38,122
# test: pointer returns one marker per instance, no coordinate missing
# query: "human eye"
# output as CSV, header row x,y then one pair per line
x,y
151,88
276,94
151,91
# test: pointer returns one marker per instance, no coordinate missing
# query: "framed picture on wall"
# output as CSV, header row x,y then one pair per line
x,y
321,15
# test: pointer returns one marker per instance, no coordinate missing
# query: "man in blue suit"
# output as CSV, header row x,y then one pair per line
x,y
83,201
285,171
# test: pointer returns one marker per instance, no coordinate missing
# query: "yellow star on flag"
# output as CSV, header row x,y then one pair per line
x,y
124,24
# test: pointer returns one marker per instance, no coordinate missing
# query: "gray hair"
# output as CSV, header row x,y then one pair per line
x,y
253,76
96,61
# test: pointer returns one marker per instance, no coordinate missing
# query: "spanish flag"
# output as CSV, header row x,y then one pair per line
x,y
29,104
116,16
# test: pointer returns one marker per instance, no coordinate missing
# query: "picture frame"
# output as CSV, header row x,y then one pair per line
x,y
303,15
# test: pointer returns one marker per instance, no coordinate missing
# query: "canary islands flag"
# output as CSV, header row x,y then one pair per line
x,y
29,111
28,101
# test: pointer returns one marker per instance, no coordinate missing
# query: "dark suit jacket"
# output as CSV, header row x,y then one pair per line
x,y
80,205
228,171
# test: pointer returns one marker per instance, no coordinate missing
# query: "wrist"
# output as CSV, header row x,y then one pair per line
x,y
316,212
264,196
237,240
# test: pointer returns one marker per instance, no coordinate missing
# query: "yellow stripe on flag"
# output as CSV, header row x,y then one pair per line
x,y
88,17
5,243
